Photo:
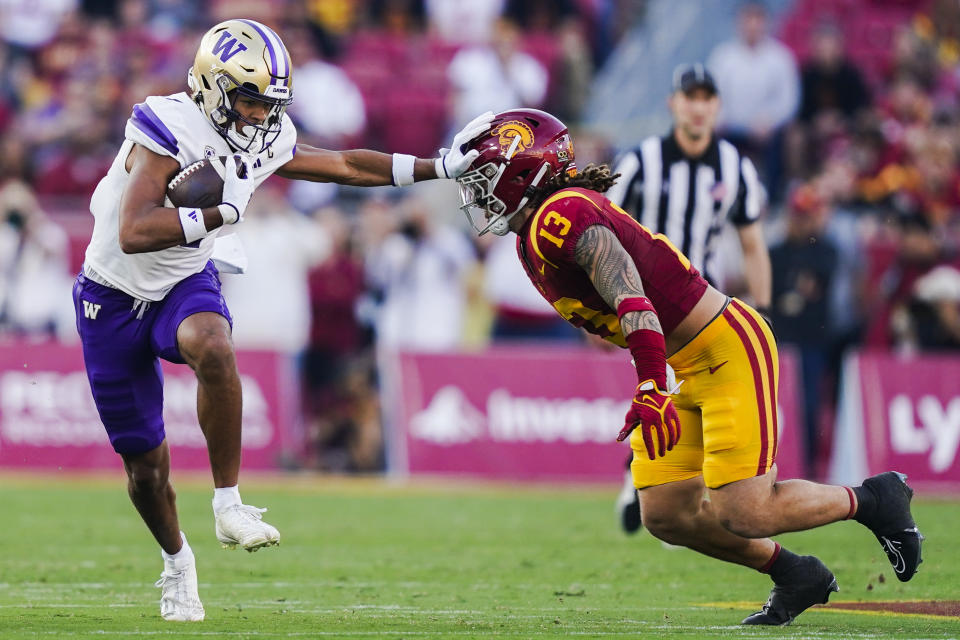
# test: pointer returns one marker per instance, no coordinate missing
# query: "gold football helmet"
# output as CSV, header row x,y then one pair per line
x,y
247,58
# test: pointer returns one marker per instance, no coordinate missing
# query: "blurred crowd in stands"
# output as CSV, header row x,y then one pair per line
x,y
851,109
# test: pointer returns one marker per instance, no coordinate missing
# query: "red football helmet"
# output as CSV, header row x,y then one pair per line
x,y
521,150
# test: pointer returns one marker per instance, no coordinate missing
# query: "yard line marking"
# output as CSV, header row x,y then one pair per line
x,y
834,609
295,607
814,635
340,584
62,605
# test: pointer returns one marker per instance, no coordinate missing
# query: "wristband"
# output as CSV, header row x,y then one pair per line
x,y
638,303
649,356
229,213
403,169
191,220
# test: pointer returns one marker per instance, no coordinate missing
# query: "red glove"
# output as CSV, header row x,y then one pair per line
x,y
652,411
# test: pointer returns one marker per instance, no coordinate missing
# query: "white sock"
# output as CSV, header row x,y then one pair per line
x,y
224,497
185,553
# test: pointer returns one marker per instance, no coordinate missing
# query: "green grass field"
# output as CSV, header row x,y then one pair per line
x,y
367,559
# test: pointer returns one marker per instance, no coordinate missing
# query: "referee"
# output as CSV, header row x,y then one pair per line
x,y
687,185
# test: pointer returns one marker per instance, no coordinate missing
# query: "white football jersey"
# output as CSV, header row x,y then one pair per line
x,y
172,126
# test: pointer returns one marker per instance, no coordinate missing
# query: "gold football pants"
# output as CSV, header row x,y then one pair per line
x,y
727,405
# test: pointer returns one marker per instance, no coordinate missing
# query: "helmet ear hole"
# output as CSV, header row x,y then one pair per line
x,y
206,85
521,176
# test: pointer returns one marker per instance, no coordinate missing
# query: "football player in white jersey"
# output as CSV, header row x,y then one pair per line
x,y
149,289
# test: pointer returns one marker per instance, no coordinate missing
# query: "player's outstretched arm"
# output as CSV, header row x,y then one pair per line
x,y
615,277
365,168
358,167
145,224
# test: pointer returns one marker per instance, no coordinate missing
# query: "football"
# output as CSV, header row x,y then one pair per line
x,y
199,184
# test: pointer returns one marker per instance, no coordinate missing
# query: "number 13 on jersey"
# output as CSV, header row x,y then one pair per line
x,y
562,225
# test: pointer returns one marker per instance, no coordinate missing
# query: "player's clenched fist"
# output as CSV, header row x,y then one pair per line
x,y
238,186
653,413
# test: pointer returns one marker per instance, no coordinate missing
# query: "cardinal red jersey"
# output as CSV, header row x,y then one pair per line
x,y
546,246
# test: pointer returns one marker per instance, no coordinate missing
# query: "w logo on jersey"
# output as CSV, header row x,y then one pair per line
x,y
228,46
90,310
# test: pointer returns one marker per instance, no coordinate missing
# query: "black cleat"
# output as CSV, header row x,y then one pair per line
x,y
810,583
628,506
630,517
893,523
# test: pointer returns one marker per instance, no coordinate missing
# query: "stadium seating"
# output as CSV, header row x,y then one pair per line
x,y
404,84
869,28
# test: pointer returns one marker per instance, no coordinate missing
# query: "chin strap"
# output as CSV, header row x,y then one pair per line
x,y
499,227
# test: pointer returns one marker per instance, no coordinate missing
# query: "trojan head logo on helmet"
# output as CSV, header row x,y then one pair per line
x,y
507,131
242,58
522,150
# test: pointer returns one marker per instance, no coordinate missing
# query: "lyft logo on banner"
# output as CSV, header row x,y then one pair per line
x,y
901,413
931,427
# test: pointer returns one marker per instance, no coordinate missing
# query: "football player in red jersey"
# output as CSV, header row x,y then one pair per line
x,y
716,431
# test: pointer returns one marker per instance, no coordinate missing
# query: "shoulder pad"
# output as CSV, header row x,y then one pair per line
x,y
167,125
146,127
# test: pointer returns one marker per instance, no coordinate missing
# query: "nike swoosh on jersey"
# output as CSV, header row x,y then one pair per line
x,y
713,369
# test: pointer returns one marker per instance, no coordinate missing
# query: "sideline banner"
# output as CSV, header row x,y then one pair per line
x,y
899,413
525,413
48,419
791,446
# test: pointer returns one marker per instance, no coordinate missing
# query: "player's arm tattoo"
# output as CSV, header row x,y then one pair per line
x,y
614,275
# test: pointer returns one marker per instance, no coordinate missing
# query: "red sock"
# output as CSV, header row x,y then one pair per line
x,y
773,558
853,503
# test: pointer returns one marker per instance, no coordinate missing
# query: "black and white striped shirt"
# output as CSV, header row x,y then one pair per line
x,y
688,199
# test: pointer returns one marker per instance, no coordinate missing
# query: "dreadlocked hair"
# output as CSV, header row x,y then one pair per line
x,y
594,177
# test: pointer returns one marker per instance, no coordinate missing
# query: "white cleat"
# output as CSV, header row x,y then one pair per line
x,y
179,599
627,506
241,525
